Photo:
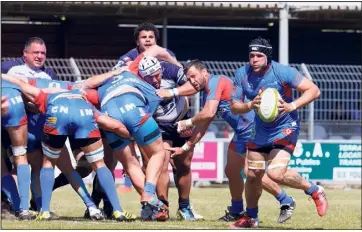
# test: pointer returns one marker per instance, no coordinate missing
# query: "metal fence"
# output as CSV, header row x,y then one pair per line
x,y
336,114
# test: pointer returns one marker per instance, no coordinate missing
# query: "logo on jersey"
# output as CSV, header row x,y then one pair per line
x,y
52,120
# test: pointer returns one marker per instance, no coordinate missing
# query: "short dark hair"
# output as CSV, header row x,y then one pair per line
x,y
196,63
31,40
146,26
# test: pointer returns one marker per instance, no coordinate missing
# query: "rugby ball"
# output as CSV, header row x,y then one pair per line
x,y
268,110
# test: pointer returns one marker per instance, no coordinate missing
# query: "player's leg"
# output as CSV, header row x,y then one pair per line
x,y
235,164
8,185
93,149
284,142
287,203
278,172
64,164
52,146
164,179
253,188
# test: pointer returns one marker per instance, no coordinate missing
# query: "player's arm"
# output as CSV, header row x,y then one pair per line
x,y
309,90
197,135
113,125
95,81
161,54
29,91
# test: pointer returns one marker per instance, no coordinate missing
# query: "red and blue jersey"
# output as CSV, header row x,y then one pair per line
x,y
45,83
278,76
132,55
220,88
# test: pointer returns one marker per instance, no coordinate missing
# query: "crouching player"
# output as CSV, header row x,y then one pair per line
x,y
69,114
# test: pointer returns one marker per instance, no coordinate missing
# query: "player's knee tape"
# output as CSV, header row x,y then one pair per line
x,y
49,153
256,164
94,156
18,150
276,163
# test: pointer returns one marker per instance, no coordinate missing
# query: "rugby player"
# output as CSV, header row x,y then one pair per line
x,y
273,143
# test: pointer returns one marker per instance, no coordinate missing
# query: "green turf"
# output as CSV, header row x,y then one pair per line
x,y
344,212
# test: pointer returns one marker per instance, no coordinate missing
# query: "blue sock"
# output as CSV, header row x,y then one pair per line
x,y
312,189
127,182
183,203
46,186
38,203
10,189
150,189
82,191
236,206
283,198
106,181
23,173
252,212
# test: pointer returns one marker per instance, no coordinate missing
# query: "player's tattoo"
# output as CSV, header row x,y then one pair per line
x,y
293,181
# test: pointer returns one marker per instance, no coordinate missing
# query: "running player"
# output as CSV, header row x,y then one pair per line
x,y
273,143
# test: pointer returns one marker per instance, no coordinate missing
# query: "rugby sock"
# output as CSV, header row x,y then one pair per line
x,y
150,189
283,198
127,182
236,206
82,190
8,186
46,186
60,181
183,203
252,212
23,173
105,179
312,189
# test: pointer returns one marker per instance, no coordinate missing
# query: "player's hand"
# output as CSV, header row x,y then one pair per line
x,y
255,103
175,151
284,107
4,106
183,125
164,93
119,70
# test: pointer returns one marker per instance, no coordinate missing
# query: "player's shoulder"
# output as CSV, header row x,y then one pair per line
x,y
242,70
8,64
130,55
170,52
282,68
50,72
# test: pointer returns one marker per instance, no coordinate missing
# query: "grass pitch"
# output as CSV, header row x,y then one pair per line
x,y
344,212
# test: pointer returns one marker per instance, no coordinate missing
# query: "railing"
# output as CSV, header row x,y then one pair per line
x,y
336,114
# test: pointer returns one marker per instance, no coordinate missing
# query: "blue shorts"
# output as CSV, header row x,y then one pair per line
x,y
16,115
240,140
131,110
72,117
265,140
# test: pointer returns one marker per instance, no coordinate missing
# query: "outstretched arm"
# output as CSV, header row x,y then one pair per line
x,y
161,54
29,91
95,81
